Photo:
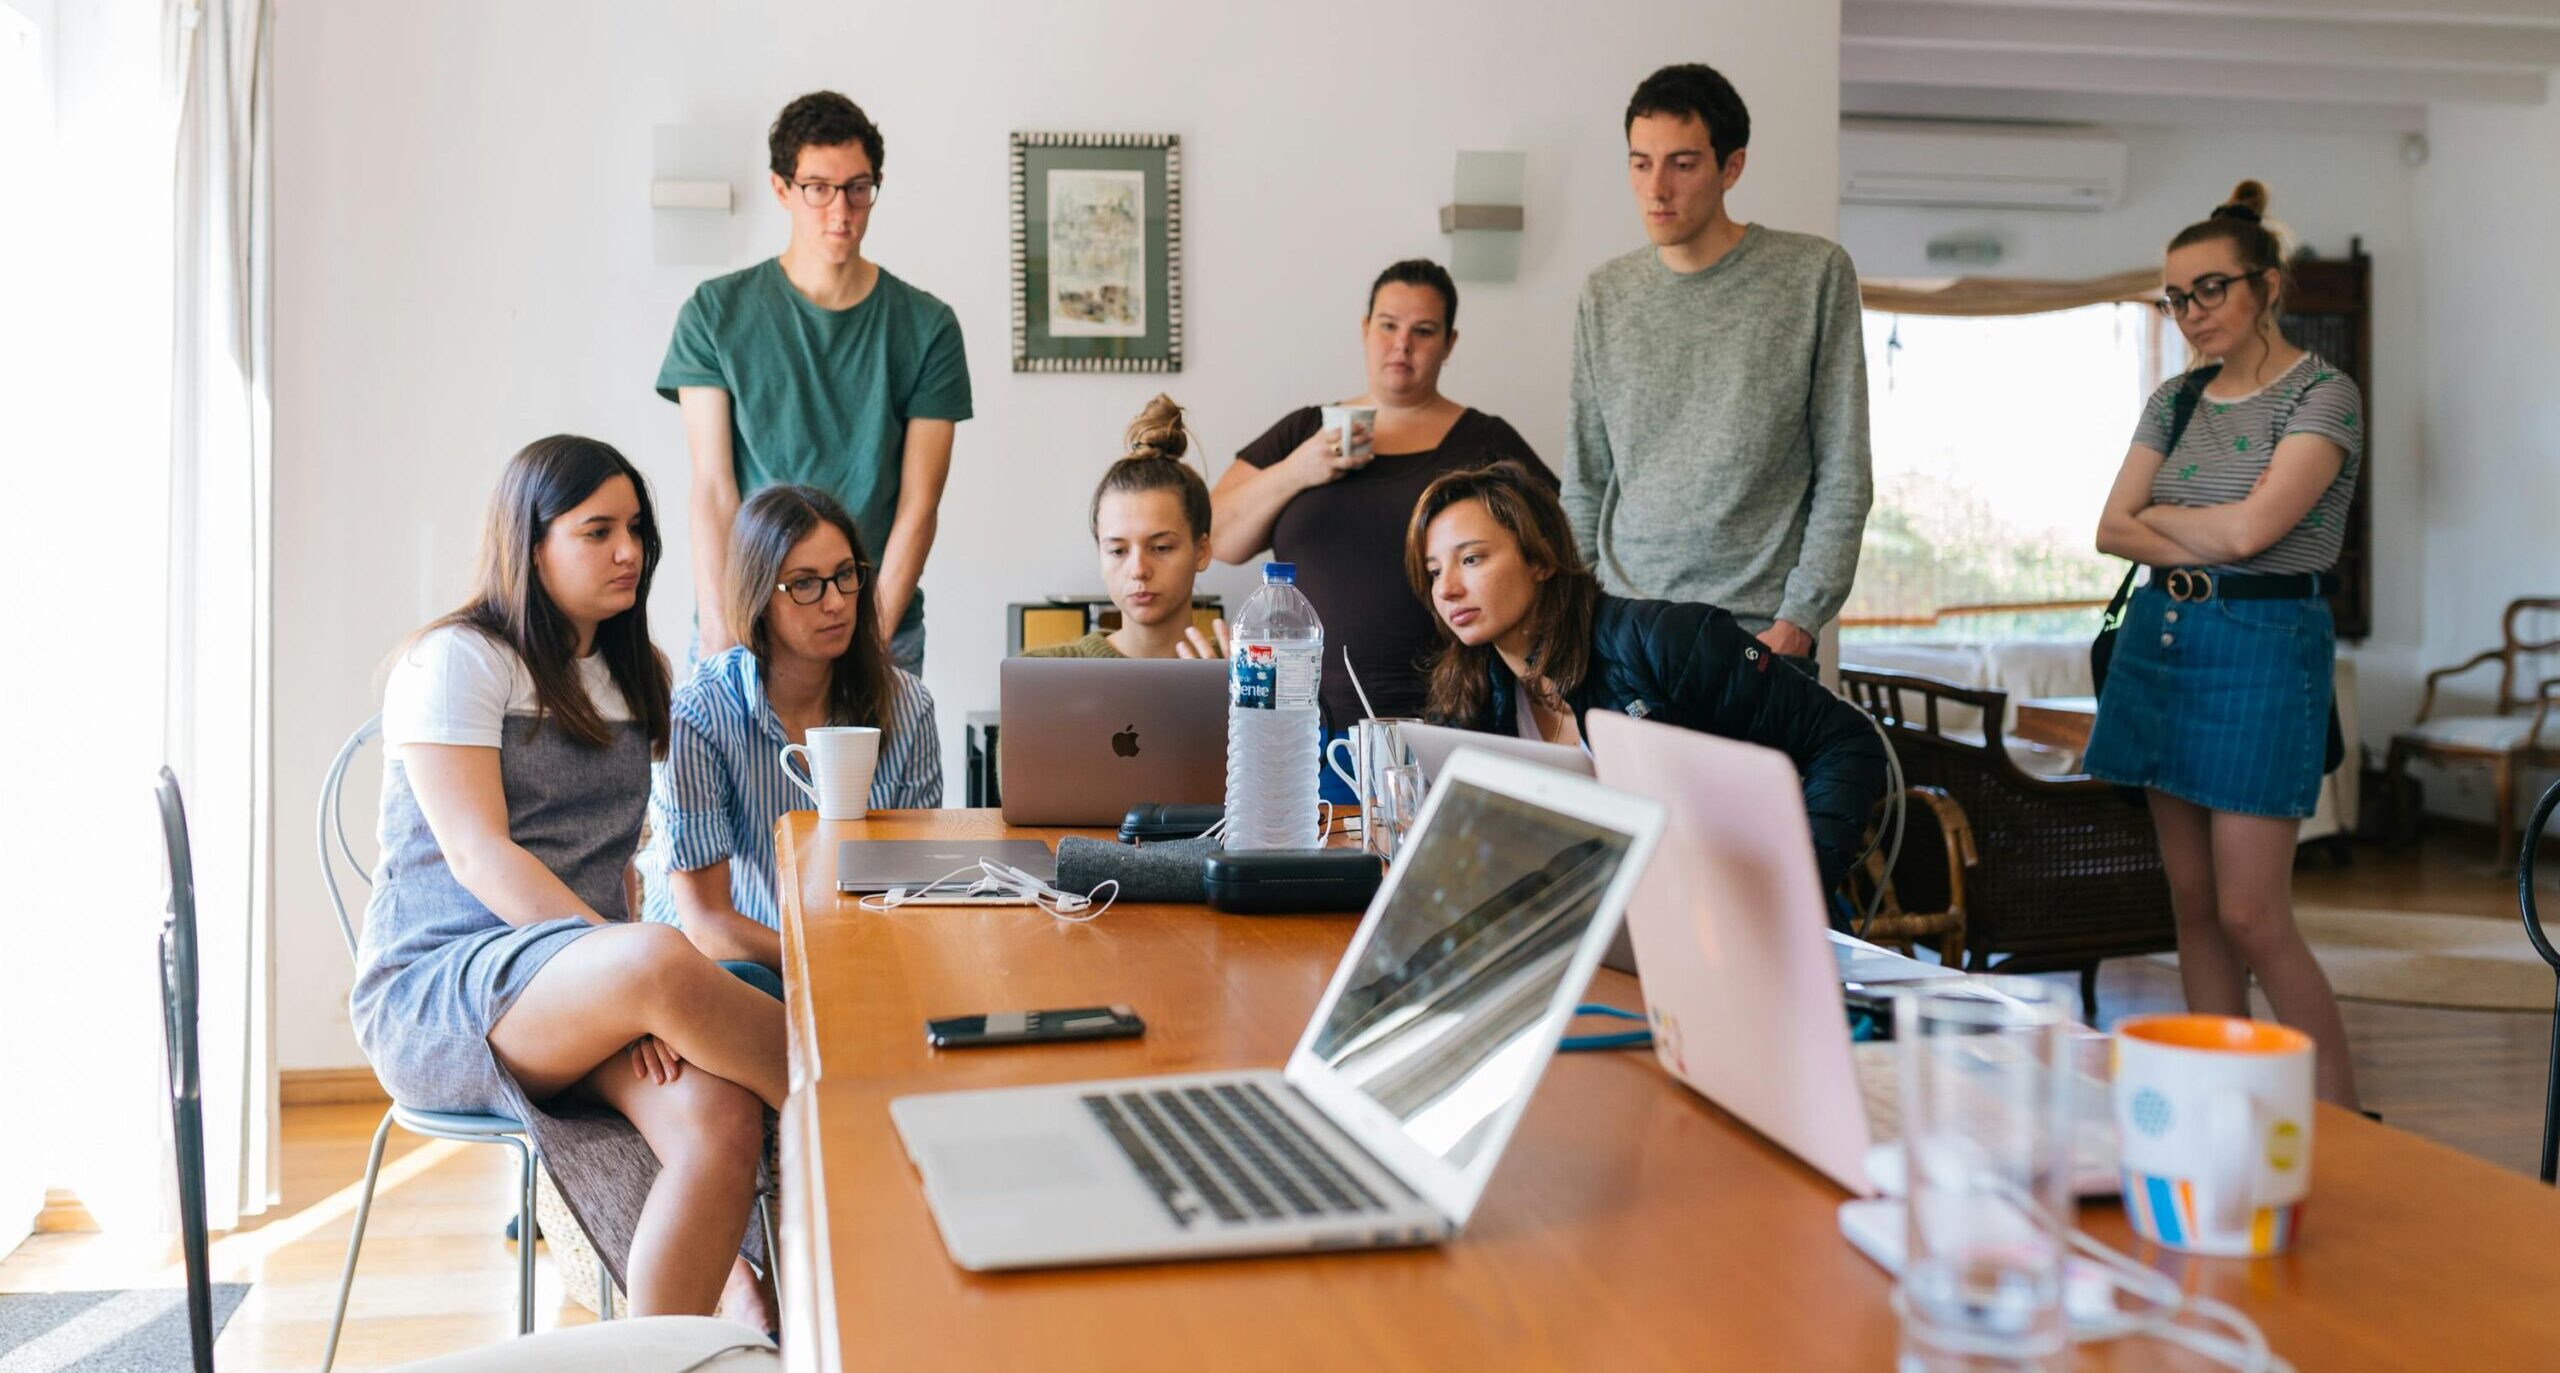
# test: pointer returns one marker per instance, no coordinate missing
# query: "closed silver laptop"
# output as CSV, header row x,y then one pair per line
x,y
1403,1092
948,866
1083,739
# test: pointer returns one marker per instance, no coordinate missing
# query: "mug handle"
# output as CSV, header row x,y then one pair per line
x,y
1331,762
807,786
2231,1153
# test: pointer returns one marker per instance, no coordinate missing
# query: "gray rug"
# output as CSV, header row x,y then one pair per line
x,y
142,1330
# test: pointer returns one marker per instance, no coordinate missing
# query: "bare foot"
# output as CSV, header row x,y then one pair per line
x,y
747,1300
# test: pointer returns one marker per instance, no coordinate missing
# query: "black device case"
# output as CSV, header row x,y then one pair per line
x,y
1154,821
1292,881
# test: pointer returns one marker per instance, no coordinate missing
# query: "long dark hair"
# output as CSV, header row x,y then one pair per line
x,y
769,524
545,480
1460,677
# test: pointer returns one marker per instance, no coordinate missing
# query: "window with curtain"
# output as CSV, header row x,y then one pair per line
x,y
1996,437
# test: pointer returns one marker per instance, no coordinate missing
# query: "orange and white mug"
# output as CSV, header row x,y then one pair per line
x,y
2215,1117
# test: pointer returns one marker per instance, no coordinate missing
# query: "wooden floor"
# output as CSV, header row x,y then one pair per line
x,y
439,1275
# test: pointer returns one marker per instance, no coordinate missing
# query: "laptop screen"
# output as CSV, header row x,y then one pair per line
x,y
1439,1019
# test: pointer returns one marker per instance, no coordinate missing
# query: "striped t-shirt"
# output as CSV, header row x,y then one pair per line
x,y
2229,442
722,786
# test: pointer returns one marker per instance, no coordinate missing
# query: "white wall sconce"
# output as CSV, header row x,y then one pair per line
x,y
692,201
1484,223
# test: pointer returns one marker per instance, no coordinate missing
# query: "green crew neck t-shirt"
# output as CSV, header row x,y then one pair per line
x,y
822,397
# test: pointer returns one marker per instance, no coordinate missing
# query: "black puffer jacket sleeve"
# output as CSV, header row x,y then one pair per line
x,y
1693,665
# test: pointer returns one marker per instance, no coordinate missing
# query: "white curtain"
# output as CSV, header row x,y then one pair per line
x,y
218,727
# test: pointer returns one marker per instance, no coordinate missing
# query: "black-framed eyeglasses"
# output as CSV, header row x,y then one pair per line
x,y
811,590
858,193
2207,293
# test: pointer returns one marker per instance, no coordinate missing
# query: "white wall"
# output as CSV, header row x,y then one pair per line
x,y
2485,204
464,263
2329,188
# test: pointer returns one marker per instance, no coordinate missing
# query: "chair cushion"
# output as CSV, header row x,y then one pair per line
x,y
645,1344
2505,733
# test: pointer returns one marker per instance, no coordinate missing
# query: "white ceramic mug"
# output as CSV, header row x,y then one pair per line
x,y
2215,1115
1341,418
1375,744
840,760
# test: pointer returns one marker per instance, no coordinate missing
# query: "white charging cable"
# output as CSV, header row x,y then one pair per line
x,y
1002,882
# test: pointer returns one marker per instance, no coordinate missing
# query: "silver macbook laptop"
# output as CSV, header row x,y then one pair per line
x,y
1742,980
1432,745
870,866
1083,739
1400,1097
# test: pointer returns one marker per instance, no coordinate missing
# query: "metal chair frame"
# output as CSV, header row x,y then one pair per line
x,y
178,994
2525,899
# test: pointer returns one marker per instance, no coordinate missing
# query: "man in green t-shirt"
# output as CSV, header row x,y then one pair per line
x,y
820,368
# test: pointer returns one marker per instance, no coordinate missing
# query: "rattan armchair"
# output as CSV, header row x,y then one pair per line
x,y
2519,733
2066,871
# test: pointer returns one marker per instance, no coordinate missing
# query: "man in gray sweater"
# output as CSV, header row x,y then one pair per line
x,y
1718,443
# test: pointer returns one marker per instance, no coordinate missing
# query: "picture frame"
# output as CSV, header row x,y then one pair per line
x,y
1097,252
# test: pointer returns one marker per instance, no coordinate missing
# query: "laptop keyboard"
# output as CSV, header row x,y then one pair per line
x,y
1229,1151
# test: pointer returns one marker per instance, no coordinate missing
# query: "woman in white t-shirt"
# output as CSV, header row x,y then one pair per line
x,y
500,970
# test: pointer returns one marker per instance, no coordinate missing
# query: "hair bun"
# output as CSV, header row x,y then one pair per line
x,y
2248,203
1157,432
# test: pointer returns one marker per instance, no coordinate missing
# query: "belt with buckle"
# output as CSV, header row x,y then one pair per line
x,y
2202,584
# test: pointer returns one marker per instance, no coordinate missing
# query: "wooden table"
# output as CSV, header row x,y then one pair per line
x,y
2061,722
1631,1225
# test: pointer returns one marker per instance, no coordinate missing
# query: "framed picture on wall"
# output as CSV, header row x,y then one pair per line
x,y
1097,252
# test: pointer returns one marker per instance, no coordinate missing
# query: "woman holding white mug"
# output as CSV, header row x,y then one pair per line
x,y
1329,488
809,656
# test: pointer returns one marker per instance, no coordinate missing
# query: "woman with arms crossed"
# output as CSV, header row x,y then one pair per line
x,y
2218,693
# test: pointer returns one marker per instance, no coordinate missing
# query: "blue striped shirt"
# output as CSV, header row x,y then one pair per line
x,y
722,786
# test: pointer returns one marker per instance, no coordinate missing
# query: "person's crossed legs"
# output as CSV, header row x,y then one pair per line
x,y
574,1026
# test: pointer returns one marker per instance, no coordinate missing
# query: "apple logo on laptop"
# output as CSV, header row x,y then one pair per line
x,y
1125,743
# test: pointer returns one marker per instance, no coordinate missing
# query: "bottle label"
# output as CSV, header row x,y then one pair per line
x,y
1251,674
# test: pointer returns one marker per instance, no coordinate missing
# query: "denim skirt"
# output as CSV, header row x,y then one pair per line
x,y
2222,703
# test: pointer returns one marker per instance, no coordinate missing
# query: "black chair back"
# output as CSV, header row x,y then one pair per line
x,y
2542,945
186,1086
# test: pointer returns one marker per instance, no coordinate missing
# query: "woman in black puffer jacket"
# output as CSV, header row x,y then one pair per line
x,y
1530,644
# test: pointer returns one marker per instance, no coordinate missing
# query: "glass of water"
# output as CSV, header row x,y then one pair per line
x,y
1401,789
1986,1113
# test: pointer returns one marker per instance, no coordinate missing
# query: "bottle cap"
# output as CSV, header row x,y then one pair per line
x,y
1286,573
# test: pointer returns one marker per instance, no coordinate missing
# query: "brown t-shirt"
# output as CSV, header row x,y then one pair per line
x,y
1347,539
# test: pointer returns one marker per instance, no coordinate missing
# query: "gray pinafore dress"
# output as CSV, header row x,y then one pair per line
x,y
436,968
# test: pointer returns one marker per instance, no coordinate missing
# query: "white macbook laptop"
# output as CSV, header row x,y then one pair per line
x,y
1432,745
1741,979
1400,1097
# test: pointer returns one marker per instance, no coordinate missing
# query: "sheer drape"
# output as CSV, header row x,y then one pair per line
x,y
220,548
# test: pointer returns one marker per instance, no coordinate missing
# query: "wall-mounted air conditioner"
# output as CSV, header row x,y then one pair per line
x,y
1979,167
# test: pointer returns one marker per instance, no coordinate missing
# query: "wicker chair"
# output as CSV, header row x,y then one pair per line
x,y
1922,900
2066,871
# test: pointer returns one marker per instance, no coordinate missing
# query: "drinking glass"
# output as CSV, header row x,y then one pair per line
x,y
1401,789
1986,1111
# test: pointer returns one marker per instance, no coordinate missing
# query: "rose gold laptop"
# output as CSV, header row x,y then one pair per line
x,y
1740,980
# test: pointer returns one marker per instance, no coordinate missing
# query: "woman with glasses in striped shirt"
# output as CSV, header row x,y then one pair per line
x,y
810,653
2217,696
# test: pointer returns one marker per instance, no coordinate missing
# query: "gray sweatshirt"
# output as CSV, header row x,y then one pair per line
x,y
1718,445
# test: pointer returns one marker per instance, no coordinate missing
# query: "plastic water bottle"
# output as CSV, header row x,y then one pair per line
x,y
1275,660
